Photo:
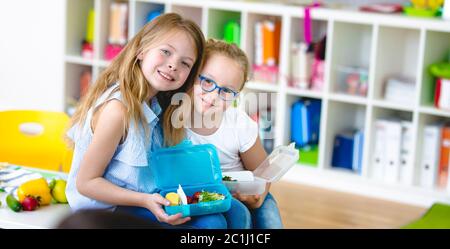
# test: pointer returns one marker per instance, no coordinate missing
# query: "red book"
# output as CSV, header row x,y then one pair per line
x,y
445,158
437,92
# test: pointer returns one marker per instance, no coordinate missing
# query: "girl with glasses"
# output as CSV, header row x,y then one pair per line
x,y
212,119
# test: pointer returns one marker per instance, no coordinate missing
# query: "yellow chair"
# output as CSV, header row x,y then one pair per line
x,y
35,139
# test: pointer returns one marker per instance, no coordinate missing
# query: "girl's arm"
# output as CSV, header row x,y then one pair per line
x,y
108,127
251,159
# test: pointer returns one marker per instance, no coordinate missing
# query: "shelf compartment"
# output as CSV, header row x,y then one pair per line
x,y
192,13
308,121
105,22
437,49
76,26
397,57
74,72
351,49
391,147
143,12
263,46
217,20
262,107
301,55
342,118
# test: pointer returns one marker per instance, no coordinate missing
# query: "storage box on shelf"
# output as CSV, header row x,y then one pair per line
x,y
383,45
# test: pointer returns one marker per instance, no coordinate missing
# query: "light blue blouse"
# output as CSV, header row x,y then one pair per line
x,y
128,167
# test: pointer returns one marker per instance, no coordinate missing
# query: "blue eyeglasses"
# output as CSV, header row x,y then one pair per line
x,y
209,85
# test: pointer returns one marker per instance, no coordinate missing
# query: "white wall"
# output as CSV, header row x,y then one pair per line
x,y
31,54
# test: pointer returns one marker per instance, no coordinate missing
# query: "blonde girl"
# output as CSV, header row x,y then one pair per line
x,y
116,126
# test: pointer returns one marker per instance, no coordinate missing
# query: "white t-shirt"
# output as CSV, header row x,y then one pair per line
x,y
236,134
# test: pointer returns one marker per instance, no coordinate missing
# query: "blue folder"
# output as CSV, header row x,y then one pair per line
x,y
347,151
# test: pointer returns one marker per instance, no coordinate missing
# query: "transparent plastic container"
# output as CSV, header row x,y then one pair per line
x,y
352,80
270,170
195,168
245,183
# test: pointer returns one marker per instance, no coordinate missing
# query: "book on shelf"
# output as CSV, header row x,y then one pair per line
x,y
379,151
430,155
444,160
118,29
406,154
393,149
392,158
266,50
442,94
348,150
118,23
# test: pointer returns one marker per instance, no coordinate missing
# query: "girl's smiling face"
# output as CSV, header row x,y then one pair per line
x,y
225,72
167,65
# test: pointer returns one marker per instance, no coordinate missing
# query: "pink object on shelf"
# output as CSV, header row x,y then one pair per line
x,y
318,70
112,50
265,73
307,23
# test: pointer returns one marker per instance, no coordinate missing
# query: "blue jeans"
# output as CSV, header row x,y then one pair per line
x,y
210,221
267,216
238,216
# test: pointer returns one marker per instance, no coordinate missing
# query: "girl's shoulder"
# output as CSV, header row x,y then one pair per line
x,y
113,92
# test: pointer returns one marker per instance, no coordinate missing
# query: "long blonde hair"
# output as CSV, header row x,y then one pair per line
x,y
174,135
125,69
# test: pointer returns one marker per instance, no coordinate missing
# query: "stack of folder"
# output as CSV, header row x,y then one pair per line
x,y
392,159
348,150
435,161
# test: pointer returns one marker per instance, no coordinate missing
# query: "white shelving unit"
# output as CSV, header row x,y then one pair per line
x,y
384,44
